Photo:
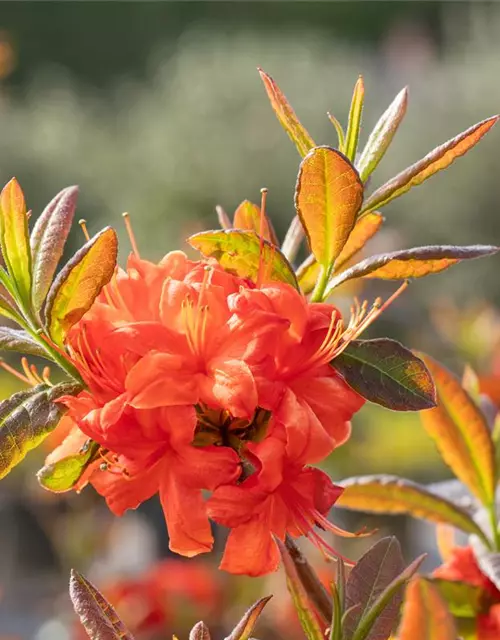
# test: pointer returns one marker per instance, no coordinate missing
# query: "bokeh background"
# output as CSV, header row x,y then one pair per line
x,y
157,109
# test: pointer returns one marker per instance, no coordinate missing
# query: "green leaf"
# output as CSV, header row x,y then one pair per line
x,y
354,123
64,474
373,572
26,419
377,619
48,238
338,596
245,626
80,282
386,373
239,252
20,341
394,495
100,620
381,136
411,263
328,197
14,238
435,161
286,115
463,600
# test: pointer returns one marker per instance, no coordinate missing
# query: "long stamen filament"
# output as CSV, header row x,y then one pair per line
x,y
130,232
262,246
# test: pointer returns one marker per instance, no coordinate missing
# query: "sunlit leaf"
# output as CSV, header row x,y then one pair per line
x,y
435,161
461,433
338,589
386,373
64,474
411,263
80,282
26,419
394,495
100,620
339,130
354,123
328,196
223,218
47,241
445,541
247,217
20,341
364,229
286,115
245,626
463,600
239,253
14,237
425,614
381,136
382,615
301,603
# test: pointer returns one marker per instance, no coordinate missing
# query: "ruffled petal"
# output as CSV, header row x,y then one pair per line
x,y
232,384
251,550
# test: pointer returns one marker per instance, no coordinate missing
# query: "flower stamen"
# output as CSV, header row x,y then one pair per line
x,y
130,232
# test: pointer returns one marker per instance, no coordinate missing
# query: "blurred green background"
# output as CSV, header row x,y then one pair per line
x,y
157,109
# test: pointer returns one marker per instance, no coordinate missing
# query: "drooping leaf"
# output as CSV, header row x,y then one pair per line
x,y
26,419
328,197
438,159
386,373
239,253
354,122
64,474
80,282
381,617
425,614
364,229
455,491
286,115
394,495
461,433
302,606
374,571
245,626
381,136
20,341
463,600
200,631
247,217
100,620
411,263
14,238
47,241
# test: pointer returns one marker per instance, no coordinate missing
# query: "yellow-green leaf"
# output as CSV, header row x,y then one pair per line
x,y
394,495
381,136
354,122
328,197
437,160
286,116
411,263
247,217
80,282
63,474
239,252
461,433
14,238
425,614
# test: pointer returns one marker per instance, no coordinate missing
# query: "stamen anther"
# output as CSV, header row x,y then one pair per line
x,y
83,224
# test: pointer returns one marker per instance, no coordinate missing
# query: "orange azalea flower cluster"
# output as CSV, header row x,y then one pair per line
x,y
201,381
462,567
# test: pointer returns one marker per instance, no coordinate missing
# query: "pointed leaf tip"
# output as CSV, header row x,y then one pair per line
x,y
245,626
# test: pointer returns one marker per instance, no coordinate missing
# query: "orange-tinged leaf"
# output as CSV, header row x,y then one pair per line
x,y
240,252
14,237
445,541
394,495
438,159
354,123
364,229
80,282
247,217
425,614
286,115
461,433
245,626
411,263
381,136
328,197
